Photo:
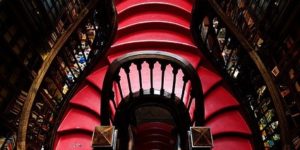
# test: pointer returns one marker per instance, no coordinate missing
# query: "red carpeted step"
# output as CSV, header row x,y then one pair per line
x,y
144,16
153,31
208,78
74,141
228,122
218,100
124,6
154,145
153,45
163,29
159,126
155,137
161,35
97,77
153,12
88,98
232,143
78,119
152,128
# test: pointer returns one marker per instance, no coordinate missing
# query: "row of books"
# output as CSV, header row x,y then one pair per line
x,y
16,107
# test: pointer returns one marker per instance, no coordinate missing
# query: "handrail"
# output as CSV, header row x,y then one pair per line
x,y
151,57
214,9
61,54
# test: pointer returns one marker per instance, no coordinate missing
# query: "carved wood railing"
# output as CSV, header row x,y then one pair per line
x,y
159,78
149,59
70,60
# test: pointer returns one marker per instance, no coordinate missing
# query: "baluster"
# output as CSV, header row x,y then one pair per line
x,y
206,36
192,95
57,85
62,75
105,108
185,79
69,67
229,58
47,100
163,69
112,98
117,79
126,67
81,49
75,59
235,67
139,68
226,41
151,66
175,71
218,27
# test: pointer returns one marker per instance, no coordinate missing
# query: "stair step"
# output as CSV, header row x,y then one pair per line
x,y
97,77
145,16
232,143
156,125
154,145
124,6
151,131
163,27
155,137
218,100
228,122
78,119
74,141
160,35
88,98
208,79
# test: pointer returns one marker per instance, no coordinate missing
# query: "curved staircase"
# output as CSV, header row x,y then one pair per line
x,y
161,25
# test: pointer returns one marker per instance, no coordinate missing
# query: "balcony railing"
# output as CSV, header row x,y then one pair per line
x,y
70,60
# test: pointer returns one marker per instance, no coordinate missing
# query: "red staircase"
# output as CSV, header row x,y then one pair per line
x,y
161,25
154,135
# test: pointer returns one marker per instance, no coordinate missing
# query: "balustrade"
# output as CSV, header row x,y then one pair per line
x,y
143,64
